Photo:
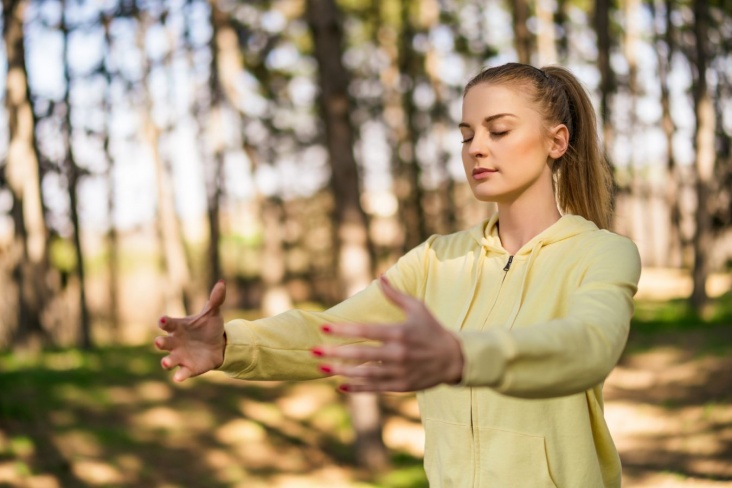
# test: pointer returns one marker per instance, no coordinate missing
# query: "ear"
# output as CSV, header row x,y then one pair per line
x,y
558,138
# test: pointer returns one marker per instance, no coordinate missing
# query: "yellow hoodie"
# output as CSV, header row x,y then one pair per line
x,y
540,332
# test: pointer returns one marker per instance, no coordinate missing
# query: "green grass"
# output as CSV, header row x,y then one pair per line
x,y
80,416
677,314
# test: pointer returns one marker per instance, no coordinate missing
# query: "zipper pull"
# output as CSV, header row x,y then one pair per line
x,y
508,264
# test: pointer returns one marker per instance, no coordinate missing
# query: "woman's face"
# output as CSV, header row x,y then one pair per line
x,y
506,148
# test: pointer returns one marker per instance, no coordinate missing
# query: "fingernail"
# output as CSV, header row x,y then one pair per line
x,y
317,352
220,281
327,329
325,368
163,320
344,388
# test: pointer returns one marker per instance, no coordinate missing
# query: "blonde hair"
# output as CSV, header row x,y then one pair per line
x,y
583,177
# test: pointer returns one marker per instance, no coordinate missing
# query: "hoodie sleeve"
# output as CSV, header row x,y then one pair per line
x,y
566,355
279,347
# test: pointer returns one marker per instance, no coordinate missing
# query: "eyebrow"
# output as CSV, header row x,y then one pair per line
x,y
489,119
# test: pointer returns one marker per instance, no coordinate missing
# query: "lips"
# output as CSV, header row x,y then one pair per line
x,y
482,173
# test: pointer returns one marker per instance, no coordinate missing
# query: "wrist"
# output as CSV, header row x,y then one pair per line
x,y
221,350
454,369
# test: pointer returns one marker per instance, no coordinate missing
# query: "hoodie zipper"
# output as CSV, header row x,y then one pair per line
x,y
473,397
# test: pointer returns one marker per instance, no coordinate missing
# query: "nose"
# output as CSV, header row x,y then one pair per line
x,y
477,147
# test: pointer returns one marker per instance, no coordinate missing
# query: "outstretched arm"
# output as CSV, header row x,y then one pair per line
x,y
195,343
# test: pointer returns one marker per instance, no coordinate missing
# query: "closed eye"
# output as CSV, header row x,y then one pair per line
x,y
467,139
499,134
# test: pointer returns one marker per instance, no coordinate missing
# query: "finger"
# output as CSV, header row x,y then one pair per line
x,y
391,353
365,371
165,343
375,387
401,300
167,324
169,362
217,296
377,332
182,374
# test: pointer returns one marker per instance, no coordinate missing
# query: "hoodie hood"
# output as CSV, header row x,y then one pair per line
x,y
486,233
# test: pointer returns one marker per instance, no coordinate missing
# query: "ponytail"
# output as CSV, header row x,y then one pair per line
x,y
583,177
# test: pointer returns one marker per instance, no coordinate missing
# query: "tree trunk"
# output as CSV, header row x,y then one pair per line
x,y
354,257
73,173
523,39
607,76
561,19
112,237
177,270
546,37
409,173
215,167
29,251
665,50
704,136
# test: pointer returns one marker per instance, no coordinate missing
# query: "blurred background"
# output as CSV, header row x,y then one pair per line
x,y
297,148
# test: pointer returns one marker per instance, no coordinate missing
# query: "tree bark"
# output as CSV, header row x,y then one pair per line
x,y
354,257
29,252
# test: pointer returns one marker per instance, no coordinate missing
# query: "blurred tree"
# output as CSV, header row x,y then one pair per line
x,y
214,159
73,173
704,144
546,38
112,237
608,84
29,251
354,263
523,38
662,11
168,227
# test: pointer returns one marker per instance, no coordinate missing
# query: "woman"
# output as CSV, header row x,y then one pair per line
x,y
506,331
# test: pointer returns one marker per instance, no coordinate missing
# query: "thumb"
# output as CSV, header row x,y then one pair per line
x,y
217,296
401,300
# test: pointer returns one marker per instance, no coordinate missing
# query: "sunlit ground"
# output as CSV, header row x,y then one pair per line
x,y
113,418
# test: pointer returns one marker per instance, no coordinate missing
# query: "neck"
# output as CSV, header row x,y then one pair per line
x,y
519,222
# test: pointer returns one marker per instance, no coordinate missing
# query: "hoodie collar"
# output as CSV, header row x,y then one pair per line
x,y
486,233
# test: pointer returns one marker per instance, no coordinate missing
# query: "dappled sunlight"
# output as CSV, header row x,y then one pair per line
x,y
404,435
97,473
669,411
114,418
304,400
78,443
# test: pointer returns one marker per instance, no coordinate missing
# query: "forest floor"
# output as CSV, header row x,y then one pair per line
x,y
111,417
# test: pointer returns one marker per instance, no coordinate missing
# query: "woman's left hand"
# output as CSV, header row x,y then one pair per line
x,y
413,355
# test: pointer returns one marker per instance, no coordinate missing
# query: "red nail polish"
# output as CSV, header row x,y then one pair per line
x,y
325,368
344,388
327,329
163,320
317,352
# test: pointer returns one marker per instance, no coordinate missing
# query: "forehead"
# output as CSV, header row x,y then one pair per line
x,y
486,99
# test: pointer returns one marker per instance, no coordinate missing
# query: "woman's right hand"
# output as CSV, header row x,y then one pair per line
x,y
195,343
